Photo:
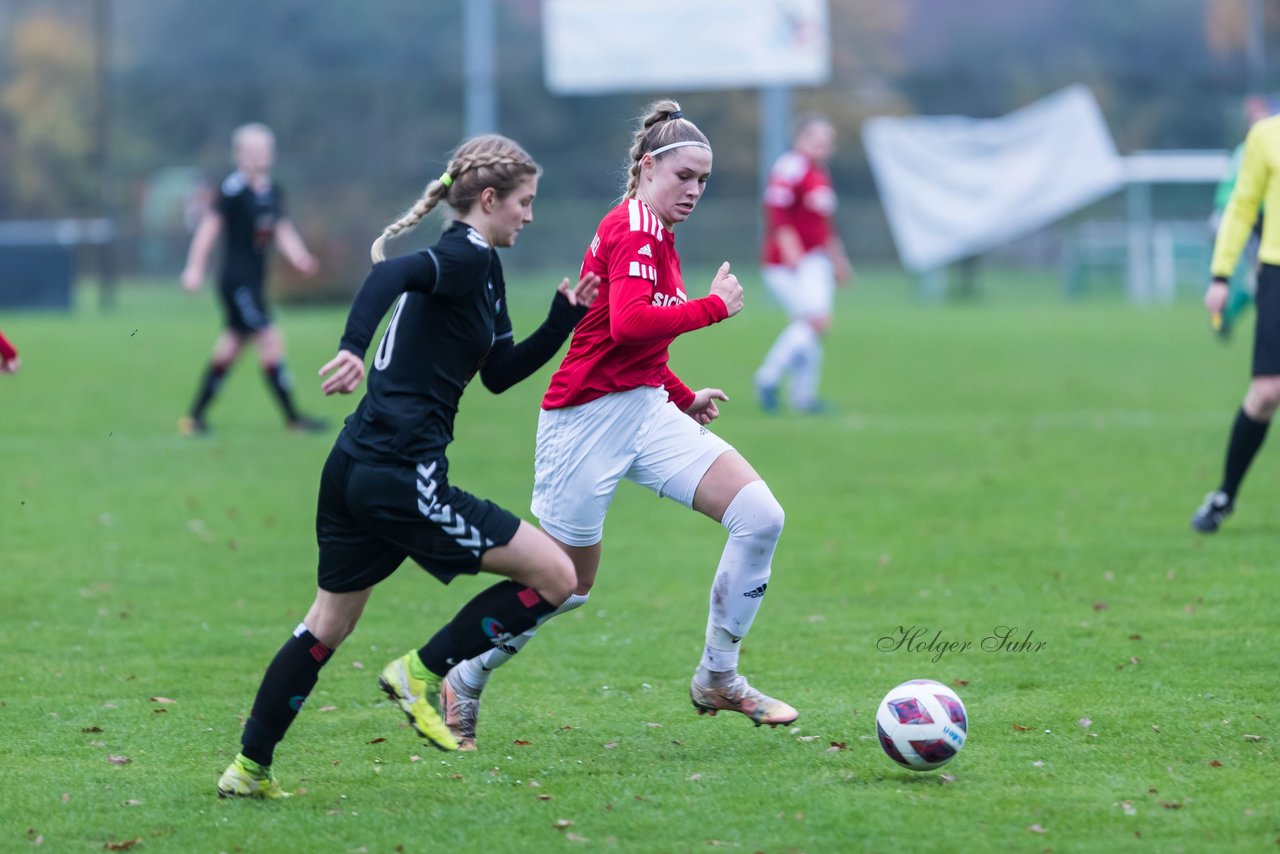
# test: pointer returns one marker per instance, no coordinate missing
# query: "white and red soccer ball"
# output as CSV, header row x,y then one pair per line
x,y
922,724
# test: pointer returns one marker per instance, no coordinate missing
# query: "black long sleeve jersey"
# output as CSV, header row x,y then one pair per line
x,y
450,321
250,217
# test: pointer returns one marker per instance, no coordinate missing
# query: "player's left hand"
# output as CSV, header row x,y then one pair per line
x,y
346,369
844,272
308,265
704,409
585,292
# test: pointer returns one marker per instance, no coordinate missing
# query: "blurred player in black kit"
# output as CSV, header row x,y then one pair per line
x,y
250,209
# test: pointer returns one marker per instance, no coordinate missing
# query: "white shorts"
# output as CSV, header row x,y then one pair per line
x,y
583,451
806,292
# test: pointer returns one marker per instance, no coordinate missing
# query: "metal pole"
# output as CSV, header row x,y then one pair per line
x,y
775,127
102,150
479,61
1255,48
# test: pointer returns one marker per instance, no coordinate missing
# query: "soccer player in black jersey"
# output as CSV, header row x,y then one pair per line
x,y
384,491
250,209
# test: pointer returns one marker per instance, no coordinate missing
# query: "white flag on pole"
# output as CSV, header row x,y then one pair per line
x,y
953,186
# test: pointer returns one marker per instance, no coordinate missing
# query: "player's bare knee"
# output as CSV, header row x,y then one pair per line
x,y
554,578
1264,397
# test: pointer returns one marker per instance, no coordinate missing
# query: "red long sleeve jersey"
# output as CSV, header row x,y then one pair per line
x,y
641,307
799,194
7,350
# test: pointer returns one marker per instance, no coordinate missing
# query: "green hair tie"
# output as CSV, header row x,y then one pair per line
x,y
446,179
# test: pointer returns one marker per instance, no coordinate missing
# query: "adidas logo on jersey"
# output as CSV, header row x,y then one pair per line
x,y
646,251
757,593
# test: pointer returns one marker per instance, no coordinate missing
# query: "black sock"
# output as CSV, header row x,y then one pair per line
x,y
285,686
213,377
278,378
494,616
1246,439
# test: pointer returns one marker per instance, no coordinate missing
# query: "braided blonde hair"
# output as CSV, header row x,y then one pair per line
x,y
491,160
657,129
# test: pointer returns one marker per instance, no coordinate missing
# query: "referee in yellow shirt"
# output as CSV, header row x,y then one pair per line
x,y
1258,184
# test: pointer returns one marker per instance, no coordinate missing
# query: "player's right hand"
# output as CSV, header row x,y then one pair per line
x,y
192,279
725,285
1215,298
346,369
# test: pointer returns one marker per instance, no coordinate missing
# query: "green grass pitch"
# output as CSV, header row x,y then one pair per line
x,y
1018,461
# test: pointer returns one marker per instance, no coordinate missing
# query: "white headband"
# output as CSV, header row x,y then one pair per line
x,y
672,145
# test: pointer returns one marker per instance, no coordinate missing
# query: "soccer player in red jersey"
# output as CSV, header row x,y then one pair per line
x,y
9,361
615,410
804,259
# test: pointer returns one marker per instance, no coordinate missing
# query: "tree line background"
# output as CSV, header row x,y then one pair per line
x,y
366,99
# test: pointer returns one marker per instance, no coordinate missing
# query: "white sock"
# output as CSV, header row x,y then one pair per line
x,y
782,355
807,370
473,674
754,519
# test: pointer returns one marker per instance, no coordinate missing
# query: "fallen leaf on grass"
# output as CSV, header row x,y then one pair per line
x,y
562,823
1021,728
415,758
694,777
34,836
960,682
1128,808
1085,722
133,802
721,843
1248,737
377,740
1100,606
1171,805
610,745
92,729
534,784
1135,637
837,746
358,665
521,742
806,738
158,711
118,760
1213,763
543,796
1155,727
161,700
328,709
566,726
1035,828
123,846
947,778
573,837
651,724
66,797
1039,763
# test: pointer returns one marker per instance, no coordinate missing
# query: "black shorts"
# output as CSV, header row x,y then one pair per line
x,y
245,308
371,517
1266,335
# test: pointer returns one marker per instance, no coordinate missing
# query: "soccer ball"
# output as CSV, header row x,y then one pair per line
x,y
921,724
